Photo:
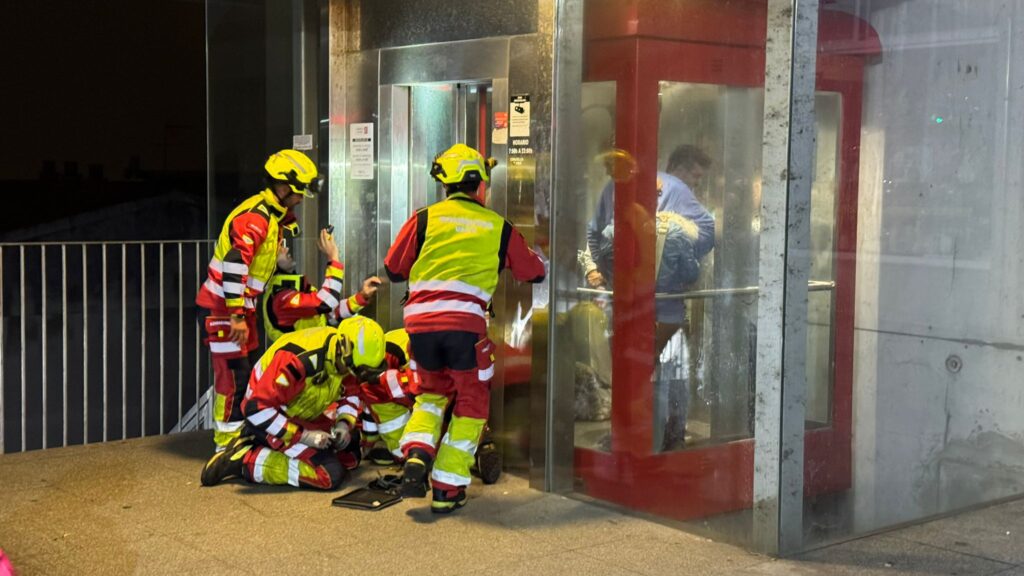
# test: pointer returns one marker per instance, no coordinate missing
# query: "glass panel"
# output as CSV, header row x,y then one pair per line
x,y
655,262
824,191
927,315
585,323
710,146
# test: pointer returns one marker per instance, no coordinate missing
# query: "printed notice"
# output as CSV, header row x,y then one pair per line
x,y
302,141
360,151
519,116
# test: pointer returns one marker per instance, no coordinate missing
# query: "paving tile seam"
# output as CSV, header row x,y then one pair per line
x,y
958,552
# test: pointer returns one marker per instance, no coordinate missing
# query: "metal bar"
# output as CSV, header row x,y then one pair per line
x,y
85,344
106,388
124,341
3,438
161,285
812,286
24,404
43,357
181,305
64,340
94,243
199,269
142,345
783,275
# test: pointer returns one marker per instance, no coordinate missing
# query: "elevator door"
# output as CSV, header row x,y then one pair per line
x,y
427,119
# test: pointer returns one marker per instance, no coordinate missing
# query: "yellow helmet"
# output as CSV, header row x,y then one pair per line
x,y
362,342
295,169
460,163
397,344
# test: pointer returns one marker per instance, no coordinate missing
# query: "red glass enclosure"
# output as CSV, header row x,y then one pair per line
x,y
643,46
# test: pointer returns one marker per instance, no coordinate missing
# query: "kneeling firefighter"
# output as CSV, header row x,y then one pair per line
x,y
301,407
451,254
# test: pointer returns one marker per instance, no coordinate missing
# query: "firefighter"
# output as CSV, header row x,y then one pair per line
x,y
389,398
451,254
244,259
292,303
301,407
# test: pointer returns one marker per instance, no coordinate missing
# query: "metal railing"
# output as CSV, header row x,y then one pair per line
x,y
98,341
812,286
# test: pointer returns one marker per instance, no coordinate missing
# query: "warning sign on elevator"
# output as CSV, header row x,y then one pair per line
x,y
519,116
361,151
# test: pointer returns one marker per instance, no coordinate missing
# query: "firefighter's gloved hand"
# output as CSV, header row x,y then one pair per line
x,y
369,374
316,439
341,435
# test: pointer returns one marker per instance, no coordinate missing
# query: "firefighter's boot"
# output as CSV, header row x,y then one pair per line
x,y
415,472
227,462
380,455
448,501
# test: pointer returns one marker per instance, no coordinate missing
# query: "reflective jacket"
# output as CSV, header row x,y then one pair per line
x,y
296,386
291,303
245,256
451,254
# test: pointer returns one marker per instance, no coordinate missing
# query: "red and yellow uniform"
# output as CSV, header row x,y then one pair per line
x,y
244,259
390,396
292,303
451,254
297,387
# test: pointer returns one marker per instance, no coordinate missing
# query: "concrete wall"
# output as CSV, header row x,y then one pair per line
x,y
939,377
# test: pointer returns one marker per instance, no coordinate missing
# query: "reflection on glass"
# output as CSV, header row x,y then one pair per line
x,y
586,319
820,326
712,359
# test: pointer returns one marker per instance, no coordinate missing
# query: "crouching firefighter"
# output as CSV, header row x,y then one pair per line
x,y
292,303
389,396
451,254
300,409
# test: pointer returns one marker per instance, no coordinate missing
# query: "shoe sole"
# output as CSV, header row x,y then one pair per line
x,y
414,475
445,508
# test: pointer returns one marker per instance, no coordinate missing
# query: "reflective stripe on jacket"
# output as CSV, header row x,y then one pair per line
x,y
245,256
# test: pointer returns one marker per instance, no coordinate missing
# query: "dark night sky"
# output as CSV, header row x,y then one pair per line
x,y
98,81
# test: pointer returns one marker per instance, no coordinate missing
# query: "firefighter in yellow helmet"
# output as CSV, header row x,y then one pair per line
x,y
244,259
451,254
301,407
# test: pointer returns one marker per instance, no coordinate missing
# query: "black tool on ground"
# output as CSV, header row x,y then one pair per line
x,y
367,499
387,483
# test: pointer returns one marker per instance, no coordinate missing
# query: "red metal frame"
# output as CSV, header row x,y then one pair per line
x,y
638,43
